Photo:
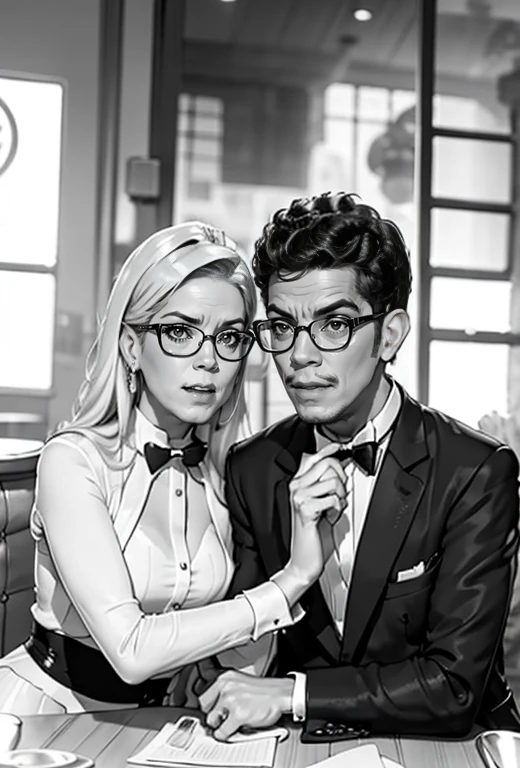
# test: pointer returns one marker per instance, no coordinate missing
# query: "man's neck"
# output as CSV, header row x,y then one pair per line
x,y
366,406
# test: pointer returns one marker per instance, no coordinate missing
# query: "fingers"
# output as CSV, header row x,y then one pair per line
x,y
308,460
209,698
229,725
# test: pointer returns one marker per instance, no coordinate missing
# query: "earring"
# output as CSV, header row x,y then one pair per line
x,y
131,378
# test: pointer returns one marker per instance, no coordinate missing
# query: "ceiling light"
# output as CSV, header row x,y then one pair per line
x,y
362,14
227,1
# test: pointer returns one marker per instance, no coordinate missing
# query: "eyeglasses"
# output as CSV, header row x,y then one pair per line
x,y
181,340
329,334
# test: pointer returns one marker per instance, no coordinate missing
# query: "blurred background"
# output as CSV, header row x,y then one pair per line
x,y
118,117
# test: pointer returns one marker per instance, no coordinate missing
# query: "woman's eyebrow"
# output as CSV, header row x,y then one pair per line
x,y
200,320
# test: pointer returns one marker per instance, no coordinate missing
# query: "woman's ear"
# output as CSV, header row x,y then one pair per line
x,y
130,347
396,326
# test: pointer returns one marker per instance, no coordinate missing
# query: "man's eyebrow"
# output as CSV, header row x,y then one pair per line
x,y
340,304
327,310
282,312
199,320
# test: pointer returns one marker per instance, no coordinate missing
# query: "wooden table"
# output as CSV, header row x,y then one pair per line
x,y
109,738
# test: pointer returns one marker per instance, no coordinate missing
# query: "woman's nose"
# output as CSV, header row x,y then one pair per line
x,y
206,357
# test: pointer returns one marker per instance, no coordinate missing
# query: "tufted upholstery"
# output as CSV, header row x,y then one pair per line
x,y
17,480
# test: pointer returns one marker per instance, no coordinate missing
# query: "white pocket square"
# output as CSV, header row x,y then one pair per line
x,y
411,573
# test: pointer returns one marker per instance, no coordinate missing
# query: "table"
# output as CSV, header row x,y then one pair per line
x,y
109,738
12,446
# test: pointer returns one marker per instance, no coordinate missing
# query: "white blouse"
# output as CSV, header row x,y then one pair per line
x,y
120,551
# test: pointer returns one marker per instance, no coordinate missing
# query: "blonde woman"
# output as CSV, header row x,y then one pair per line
x,y
133,541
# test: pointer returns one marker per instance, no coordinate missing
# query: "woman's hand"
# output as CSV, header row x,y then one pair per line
x,y
317,494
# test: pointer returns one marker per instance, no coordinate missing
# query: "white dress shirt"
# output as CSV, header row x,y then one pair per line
x,y
137,563
344,535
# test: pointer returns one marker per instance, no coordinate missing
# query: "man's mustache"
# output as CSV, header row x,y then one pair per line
x,y
327,379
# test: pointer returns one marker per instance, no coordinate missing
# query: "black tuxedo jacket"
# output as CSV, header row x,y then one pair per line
x,y
422,656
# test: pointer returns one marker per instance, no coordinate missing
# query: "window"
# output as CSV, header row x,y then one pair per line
x,y
30,154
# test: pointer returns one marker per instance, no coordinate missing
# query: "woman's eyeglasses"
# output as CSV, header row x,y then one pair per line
x,y
181,340
329,334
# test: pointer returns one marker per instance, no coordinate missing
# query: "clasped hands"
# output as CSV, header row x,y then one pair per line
x,y
239,700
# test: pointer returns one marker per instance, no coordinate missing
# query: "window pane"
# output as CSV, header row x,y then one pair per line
x,y
374,104
401,101
471,170
27,343
30,151
468,380
476,43
469,114
469,239
339,100
470,305
208,125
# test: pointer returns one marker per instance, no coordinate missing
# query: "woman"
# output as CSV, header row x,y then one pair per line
x,y
133,542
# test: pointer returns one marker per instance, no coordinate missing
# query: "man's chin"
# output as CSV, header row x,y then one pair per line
x,y
314,413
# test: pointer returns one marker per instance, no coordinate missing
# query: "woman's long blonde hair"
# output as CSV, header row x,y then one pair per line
x,y
152,272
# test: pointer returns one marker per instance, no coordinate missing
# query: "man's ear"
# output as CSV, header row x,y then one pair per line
x,y
396,326
130,347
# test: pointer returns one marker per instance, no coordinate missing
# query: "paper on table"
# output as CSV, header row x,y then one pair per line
x,y
365,756
188,743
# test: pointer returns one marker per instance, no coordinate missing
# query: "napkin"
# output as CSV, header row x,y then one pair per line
x,y
365,756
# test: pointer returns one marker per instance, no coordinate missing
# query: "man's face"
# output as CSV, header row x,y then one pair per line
x,y
325,387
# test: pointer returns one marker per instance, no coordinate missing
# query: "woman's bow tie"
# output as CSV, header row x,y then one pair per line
x,y
157,456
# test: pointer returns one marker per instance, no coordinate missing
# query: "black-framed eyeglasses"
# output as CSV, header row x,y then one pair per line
x,y
181,340
329,334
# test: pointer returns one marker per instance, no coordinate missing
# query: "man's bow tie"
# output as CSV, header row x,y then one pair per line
x,y
157,456
364,455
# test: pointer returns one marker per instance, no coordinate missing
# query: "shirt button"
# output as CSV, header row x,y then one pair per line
x,y
183,566
176,606
178,492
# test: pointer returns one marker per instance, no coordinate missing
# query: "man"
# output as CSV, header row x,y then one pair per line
x,y
402,632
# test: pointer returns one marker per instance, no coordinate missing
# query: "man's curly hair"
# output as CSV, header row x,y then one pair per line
x,y
330,232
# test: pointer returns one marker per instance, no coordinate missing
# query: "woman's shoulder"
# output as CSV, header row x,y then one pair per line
x,y
68,450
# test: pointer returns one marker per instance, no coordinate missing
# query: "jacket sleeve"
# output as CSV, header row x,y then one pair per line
x,y
249,571
439,689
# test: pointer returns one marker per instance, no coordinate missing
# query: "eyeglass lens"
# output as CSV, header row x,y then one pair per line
x,y
183,340
328,333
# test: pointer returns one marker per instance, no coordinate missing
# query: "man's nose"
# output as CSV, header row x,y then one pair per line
x,y
304,351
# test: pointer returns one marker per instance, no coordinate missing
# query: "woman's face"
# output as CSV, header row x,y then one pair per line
x,y
183,391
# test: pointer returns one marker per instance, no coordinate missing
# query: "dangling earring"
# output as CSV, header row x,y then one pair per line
x,y
131,378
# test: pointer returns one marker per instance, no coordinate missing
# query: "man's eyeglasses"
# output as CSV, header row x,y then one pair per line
x,y
329,334
181,340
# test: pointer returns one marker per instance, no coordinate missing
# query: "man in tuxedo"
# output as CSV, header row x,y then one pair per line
x,y
417,513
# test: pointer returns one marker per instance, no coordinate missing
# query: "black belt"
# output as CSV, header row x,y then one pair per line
x,y
86,670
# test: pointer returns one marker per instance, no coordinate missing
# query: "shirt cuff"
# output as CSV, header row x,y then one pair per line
x,y
270,608
299,697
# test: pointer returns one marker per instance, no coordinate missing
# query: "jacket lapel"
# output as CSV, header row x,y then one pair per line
x,y
397,493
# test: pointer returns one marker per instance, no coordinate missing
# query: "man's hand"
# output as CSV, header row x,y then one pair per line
x,y
236,700
317,492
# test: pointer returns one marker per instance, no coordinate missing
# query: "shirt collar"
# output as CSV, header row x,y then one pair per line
x,y
146,432
378,427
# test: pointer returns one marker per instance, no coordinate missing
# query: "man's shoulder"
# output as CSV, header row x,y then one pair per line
x,y
449,432
267,442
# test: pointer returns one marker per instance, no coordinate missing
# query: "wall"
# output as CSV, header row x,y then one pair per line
x,y
60,39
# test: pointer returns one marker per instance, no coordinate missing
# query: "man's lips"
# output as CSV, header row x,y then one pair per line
x,y
309,385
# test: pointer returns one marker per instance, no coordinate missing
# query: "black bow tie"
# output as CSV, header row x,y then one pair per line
x,y
364,455
157,456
